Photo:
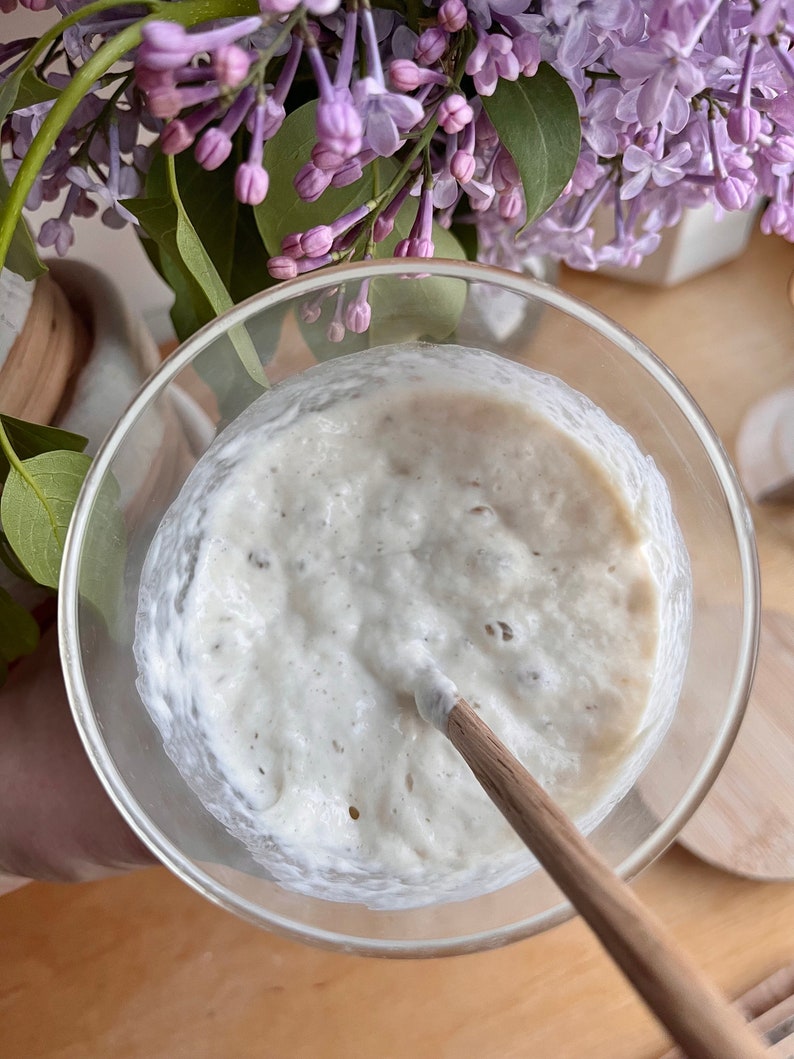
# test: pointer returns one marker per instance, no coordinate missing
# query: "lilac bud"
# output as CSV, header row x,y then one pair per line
x,y
231,65
413,247
57,233
165,101
778,219
282,268
310,182
291,246
251,183
454,113
336,331
405,75
431,46
339,127
317,241
85,207
358,316
780,151
505,172
744,124
383,228
487,136
36,5
324,158
462,166
732,192
51,190
167,45
526,48
274,117
175,137
510,204
213,149
147,79
452,15
347,174
310,313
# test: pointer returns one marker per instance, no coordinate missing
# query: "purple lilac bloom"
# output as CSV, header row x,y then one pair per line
x,y
682,103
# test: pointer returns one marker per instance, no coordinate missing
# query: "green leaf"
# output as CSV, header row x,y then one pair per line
x,y
104,554
11,562
19,631
165,222
16,92
225,226
538,123
22,257
36,507
31,90
283,212
427,308
23,89
31,439
466,234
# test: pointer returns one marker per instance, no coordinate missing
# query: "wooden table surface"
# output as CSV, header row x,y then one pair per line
x,y
140,967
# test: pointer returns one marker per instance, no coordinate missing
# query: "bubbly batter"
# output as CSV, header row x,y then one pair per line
x,y
352,536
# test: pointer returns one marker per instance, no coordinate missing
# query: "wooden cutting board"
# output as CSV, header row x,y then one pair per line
x,y
746,822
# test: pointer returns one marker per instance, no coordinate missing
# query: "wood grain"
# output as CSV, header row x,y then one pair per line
x,y
140,967
697,1017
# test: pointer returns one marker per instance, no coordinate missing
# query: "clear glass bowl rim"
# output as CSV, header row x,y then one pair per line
x,y
303,286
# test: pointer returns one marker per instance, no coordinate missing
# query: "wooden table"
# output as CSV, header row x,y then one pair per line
x,y
141,968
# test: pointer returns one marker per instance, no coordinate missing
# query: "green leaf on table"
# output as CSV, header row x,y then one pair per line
x,y
166,222
19,631
283,212
425,308
538,123
31,439
36,507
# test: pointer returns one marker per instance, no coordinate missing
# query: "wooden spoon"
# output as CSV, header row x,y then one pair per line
x,y
694,1013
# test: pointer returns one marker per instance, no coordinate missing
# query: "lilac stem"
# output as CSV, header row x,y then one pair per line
x,y
344,70
320,73
371,40
237,112
288,71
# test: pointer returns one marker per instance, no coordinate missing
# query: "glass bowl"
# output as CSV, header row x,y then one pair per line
x,y
146,458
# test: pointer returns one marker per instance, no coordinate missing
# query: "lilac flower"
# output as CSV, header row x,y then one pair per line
x,y
491,59
599,122
664,76
645,167
386,116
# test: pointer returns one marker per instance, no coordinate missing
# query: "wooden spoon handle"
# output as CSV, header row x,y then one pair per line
x,y
694,1013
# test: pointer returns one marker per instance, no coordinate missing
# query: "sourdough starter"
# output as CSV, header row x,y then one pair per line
x,y
359,531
